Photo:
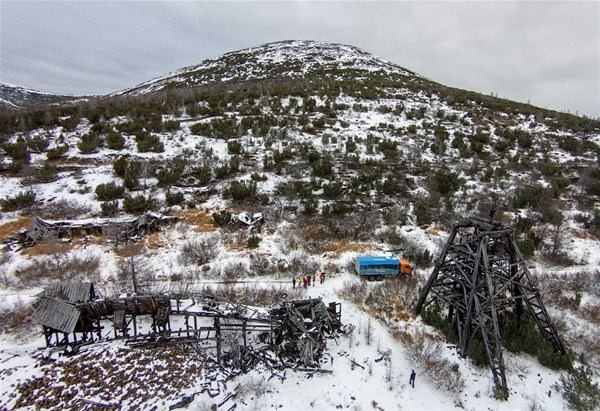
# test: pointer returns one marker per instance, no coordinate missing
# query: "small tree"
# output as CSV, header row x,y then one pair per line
x,y
239,190
580,390
137,204
115,140
120,166
89,143
171,172
253,241
46,173
21,200
109,208
109,191
174,198
234,147
57,152
221,218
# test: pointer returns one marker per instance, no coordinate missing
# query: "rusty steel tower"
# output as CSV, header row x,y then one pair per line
x,y
480,274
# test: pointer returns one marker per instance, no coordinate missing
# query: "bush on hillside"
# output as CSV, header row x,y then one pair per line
x,y
174,198
137,204
89,143
240,190
580,390
57,152
109,208
147,142
38,144
21,200
115,140
46,173
109,191
221,218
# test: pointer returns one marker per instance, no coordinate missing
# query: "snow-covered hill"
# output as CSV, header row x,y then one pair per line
x,y
284,59
15,97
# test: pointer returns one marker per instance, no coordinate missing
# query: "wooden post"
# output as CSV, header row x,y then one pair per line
x,y
244,331
218,337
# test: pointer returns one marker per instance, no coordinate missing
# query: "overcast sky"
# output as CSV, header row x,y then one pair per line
x,y
548,53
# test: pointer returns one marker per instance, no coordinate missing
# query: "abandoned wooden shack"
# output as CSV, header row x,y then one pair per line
x,y
117,230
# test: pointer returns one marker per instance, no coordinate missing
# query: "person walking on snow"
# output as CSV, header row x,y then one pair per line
x,y
294,282
309,280
304,282
322,277
411,381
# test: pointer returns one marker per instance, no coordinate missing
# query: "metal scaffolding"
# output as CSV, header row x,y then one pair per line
x,y
480,274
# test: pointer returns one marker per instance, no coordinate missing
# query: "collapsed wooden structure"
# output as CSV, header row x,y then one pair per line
x,y
290,333
479,275
118,230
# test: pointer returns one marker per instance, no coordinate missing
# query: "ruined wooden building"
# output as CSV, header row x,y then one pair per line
x,y
117,230
294,331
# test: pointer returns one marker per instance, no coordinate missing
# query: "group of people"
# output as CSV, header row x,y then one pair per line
x,y
307,280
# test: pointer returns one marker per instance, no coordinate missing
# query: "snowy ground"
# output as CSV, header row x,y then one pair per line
x,y
379,385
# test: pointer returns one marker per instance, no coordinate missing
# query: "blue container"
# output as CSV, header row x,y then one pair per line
x,y
376,268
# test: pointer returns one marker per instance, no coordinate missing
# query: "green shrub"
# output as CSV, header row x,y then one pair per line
x,y
309,206
109,191
137,204
109,208
18,151
147,142
570,144
171,172
89,143
548,168
21,200
580,390
522,335
201,129
57,152
170,125
445,182
336,208
253,241
132,173
203,174
120,166
38,144
46,173
234,147
322,167
174,198
388,148
528,196
115,140
332,190
222,218
239,190
422,214
525,140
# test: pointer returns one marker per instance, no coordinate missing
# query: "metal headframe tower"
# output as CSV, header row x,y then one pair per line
x,y
480,274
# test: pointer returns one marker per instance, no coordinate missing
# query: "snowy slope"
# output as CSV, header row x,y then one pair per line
x,y
291,59
14,97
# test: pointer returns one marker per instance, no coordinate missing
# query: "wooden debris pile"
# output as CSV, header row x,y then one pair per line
x,y
224,338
